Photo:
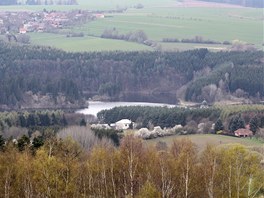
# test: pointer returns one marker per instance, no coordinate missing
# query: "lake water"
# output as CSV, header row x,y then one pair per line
x,y
95,106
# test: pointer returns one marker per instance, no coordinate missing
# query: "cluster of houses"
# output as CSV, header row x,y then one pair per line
x,y
43,21
145,133
123,124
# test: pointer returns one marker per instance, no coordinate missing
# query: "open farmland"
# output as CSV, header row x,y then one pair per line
x,y
92,5
159,20
84,43
202,140
159,23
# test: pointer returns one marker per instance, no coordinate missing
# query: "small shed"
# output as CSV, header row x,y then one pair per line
x,y
99,16
204,105
243,133
123,124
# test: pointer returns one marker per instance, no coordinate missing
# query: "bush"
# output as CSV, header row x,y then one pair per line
x,y
139,6
219,132
75,34
108,133
23,38
189,130
227,43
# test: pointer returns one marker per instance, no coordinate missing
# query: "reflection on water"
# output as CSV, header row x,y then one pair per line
x,y
96,106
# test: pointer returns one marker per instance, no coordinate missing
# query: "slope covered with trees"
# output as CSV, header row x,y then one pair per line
x,y
242,80
151,76
61,168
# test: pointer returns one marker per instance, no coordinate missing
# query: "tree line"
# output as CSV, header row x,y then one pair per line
x,y
196,39
16,124
78,76
137,36
25,126
158,116
61,168
213,119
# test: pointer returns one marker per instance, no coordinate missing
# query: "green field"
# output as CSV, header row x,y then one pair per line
x,y
158,19
92,5
202,140
86,43
190,22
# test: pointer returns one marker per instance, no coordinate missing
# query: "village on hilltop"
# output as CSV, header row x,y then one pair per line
x,y
13,22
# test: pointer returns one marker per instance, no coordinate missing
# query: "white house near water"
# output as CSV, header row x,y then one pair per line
x,y
123,124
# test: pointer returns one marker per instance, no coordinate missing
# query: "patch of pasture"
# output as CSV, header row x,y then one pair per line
x,y
202,140
181,23
84,43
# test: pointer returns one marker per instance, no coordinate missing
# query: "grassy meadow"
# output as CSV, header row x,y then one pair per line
x,y
84,44
158,19
92,5
202,140
183,23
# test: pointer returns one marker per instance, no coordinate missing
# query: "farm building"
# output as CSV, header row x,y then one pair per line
x,y
22,31
123,124
243,133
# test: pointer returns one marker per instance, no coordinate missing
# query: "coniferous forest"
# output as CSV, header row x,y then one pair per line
x,y
153,76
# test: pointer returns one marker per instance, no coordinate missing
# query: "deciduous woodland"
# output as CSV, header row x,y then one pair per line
x,y
66,78
61,168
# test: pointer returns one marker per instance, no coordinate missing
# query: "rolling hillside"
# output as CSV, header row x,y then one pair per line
x,y
159,20
129,76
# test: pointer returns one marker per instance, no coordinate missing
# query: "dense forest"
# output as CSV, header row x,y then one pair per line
x,y
27,72
247,3
158,116
63,168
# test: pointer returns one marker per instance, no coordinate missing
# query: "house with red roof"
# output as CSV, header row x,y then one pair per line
x,y
243,133
22,30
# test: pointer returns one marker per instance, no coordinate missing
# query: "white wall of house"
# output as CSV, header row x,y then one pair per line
x,y
123,124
